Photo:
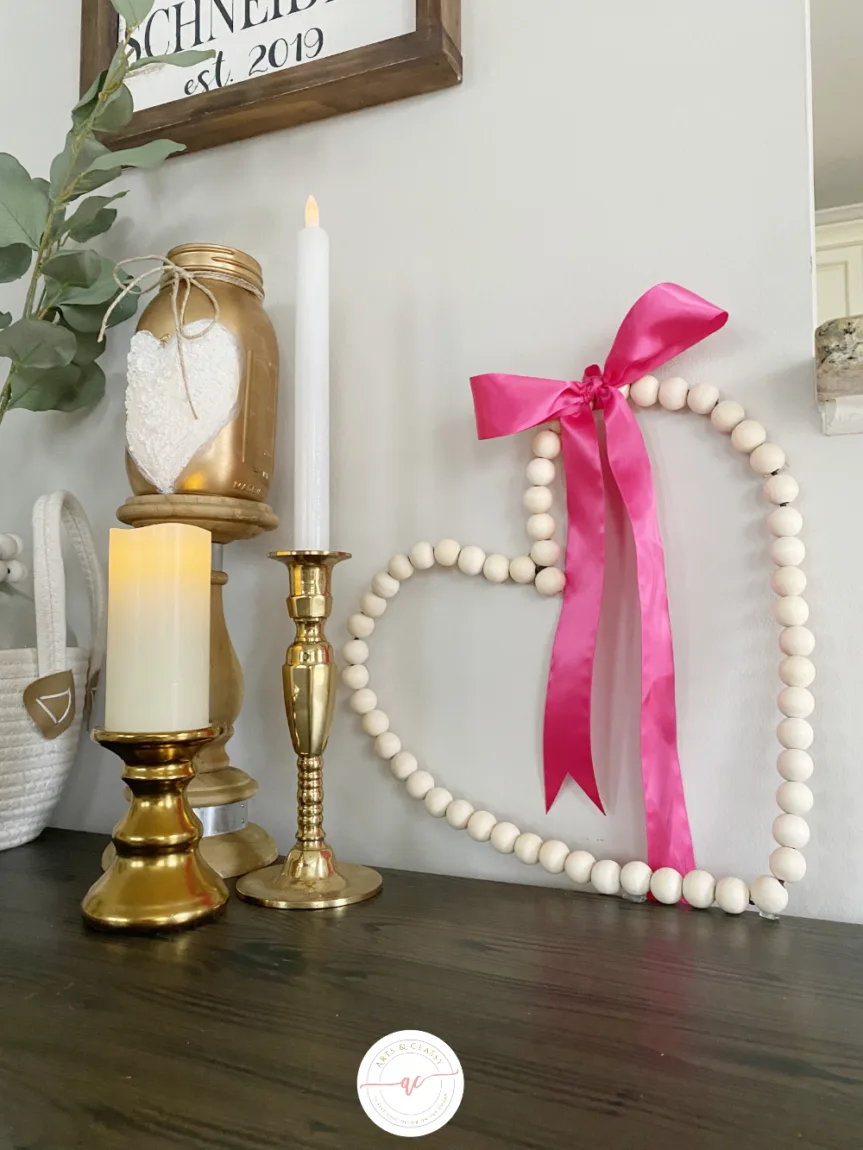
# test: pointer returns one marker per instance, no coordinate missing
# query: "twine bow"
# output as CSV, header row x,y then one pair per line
x,y
663,323
140,285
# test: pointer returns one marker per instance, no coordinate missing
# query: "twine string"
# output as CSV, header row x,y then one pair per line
x,y
141,285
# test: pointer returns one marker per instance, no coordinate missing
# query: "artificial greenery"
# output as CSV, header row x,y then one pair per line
x,y
54,346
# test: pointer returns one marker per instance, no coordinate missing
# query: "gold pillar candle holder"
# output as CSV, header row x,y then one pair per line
x,y
310,878
157,879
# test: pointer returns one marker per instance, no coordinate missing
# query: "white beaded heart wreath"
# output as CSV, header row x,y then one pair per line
x,y
796,670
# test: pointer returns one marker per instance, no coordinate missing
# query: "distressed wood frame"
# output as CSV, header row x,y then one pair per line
x,y
423,61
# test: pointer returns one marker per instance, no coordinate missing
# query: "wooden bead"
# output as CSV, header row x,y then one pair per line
x,y
796,702
605,876
554,425
373,605
538,500
385,586
726,416
748,435
363,702
666,886
403,765
550,581
527,848
791,831
503,838
437,802
795,766
797,671
447,552
788,864
545,552
419,784
767,459
782,488
16,571
4,571
673,393
546,445
540,526
795,734
625,390
797,641
496,569
387,746
522,569
11,547
458,814
471,560
421,556
787,551
703,398
785,521
552,855
699,889
732,895
578,866
541,472
400,567
480,825
355,652
375,723
792,611
360,626
645,392
635,879
769,895
795,798
355,678
788,581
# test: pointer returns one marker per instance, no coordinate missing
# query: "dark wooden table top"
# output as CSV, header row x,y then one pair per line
x,y
580,1021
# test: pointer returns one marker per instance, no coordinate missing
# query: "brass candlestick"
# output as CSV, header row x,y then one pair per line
x,y
310,878
157,879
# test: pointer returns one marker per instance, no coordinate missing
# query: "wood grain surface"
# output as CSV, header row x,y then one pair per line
x,y
580,1021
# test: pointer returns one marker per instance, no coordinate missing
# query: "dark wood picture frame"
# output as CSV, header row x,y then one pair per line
x,y
423,61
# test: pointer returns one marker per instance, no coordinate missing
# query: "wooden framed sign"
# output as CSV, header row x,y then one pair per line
x,y
277,63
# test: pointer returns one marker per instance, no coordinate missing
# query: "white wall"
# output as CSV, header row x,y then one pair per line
x,y
594,149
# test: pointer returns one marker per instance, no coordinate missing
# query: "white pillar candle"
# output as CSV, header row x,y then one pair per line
x,y
158,673
312,388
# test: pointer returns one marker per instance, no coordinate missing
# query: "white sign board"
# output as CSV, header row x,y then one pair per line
x,y
252,38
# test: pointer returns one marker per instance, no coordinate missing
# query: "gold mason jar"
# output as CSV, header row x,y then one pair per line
x,y
239,461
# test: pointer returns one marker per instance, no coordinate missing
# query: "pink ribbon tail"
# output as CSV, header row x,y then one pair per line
x,y
666,321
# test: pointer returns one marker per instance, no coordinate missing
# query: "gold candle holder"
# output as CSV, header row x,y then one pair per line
x,y
310,878
157,879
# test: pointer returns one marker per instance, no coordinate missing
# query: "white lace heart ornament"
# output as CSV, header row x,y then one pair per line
x,y
163,433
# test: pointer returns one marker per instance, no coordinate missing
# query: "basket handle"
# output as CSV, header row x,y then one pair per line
x,y
49,581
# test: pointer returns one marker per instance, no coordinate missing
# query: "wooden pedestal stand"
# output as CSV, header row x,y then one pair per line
x,y
218,784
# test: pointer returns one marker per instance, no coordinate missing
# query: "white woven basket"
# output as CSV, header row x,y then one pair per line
x,y
33,769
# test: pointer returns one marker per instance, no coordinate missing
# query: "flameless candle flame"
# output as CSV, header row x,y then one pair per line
x,y
313,213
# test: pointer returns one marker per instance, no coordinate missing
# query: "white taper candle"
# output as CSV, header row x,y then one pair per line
x,y
312,388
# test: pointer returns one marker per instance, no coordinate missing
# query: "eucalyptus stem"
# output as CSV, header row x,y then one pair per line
x,y
6,393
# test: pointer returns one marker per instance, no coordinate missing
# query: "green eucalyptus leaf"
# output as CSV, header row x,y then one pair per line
x,y
92,92
35,389
134,12
70,167
36,343
92,218
88,319
14,262
88,390
5,320
23,205
116,112
146,156
74,269
185,59
88,348
100,291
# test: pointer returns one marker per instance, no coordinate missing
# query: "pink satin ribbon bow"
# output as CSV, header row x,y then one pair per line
x,y
666,321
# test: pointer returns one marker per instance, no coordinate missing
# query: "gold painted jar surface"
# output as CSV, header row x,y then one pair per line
x,y
239,461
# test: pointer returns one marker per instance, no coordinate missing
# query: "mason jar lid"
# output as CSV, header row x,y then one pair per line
x,y
215,258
